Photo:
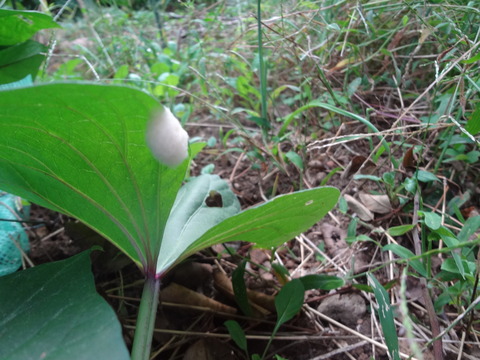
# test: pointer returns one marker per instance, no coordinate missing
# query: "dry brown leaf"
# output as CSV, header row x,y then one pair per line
x,y
343,63
192,275
379,204
409,161
355,165
358,208
181,295
208,349
198,351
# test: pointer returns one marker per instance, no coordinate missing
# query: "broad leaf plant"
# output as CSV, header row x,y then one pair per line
x,y
116,160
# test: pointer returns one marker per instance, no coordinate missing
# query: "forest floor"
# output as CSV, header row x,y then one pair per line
x,y
388,82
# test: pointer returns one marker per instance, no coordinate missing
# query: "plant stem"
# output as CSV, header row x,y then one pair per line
x,y
263,70
434,325
142,341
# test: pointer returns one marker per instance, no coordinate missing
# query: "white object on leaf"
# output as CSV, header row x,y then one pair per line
x,y
166,138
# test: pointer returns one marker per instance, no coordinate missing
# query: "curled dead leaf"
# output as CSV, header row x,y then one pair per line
x,y
409,160
355,165
178,294
357,207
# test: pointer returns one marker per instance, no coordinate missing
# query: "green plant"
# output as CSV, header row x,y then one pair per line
x,y
113,193
288,301
81,149
385,313
395,83
20,56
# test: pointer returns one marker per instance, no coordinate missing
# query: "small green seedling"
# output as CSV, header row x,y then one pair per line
x,y
288,303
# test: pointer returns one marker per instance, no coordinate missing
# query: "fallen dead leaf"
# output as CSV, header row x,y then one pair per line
x,y
379,204
356,163
357,207
181,295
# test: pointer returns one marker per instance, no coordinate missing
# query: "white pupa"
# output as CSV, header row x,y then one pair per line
x,y
166,138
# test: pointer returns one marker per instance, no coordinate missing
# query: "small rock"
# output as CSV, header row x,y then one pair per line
x,y
347,308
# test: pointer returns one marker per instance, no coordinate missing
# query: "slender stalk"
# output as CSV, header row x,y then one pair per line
x,y
142,341
263,70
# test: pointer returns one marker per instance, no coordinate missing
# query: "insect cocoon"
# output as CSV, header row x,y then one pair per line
x,y
166,138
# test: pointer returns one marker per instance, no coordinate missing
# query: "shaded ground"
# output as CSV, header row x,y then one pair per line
x,y
197,297
192,313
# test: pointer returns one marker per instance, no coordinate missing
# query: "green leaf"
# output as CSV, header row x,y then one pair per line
x,y
237,334
322,282
121,73
404,253
17,52
410,185
240,289
196,148
329,175
193,214
432,220
472,59
272,223
342,205
385,314
53,312
353,86
363,287
289,301
452,243
389,178
399,230
19,26
21,60
425,176
295,159
473,124
469,229
81,150
467,268
260,121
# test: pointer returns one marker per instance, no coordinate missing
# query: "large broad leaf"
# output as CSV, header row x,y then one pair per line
x,y
81,150
271,223
53,312
19,26
202,203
